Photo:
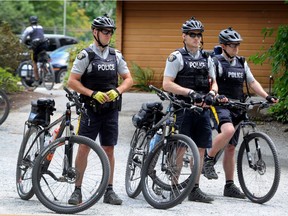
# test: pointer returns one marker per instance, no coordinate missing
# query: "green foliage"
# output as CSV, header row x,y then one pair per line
x,y
8,81
277,54
10,48
142,77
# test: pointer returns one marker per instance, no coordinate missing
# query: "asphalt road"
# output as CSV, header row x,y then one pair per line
x,y
11,136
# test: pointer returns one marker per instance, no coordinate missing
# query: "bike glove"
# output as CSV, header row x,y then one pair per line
x,y
99,96
113,94
270,98
209,98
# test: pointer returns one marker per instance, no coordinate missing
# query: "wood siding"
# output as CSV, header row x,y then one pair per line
x,y
148,31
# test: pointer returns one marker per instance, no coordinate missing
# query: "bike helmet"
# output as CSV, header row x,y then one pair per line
x,y
229,35
103,22
33,19
192,25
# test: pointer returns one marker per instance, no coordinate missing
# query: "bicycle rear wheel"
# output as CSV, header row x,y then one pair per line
x,y
55,173
29,150
259,182
48,76
4,106
170,172
137,154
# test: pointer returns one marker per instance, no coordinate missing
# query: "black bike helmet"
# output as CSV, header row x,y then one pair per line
x,y
103,22
33,19
192,25
229,35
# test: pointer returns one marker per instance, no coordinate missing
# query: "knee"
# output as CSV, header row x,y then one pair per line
x,y
228,130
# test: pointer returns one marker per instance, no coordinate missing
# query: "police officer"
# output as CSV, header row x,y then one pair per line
x,y
33,36
232,71
189,73
95,76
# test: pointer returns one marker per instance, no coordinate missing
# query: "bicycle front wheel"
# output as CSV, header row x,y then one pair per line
x,y
170,171
137,154
29,150
59,167
48,76
4,106
259,180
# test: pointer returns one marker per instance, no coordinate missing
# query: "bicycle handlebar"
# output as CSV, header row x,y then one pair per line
x,y
244,105
74,98
165,96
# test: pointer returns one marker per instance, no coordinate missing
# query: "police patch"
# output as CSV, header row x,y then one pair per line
x,y
171,58
81,56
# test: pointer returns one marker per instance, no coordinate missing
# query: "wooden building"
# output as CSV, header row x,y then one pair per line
x,y
148,31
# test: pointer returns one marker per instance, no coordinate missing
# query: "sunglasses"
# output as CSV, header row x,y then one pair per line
x,y
233,45
106,32
194,35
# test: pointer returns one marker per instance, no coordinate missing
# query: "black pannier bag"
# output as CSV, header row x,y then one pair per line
x,y
41,110
144,117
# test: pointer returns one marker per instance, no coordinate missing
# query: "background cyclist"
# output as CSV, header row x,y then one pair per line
x,y
33,37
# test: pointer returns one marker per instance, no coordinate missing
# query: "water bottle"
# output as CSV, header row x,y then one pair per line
x,y
155,139
47,139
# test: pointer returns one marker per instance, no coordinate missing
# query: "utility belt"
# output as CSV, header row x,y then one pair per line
x,y
102,108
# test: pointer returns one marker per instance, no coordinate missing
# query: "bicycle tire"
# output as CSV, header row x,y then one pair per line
x,y
53,188
259,184
4,107
48,76
136,157
158,182
28,79
25,162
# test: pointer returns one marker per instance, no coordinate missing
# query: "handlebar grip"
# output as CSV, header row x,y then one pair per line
x,y
155,89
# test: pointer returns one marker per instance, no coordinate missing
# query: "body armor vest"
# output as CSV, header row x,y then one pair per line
x,y
103,76
37,33
194,74
231,82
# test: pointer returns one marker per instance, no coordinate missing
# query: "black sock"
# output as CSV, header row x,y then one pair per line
x,y
195,187
207,158
229,183
78,188
109,187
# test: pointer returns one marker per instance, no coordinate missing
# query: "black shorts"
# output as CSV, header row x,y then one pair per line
x,y
234,117
197,126
104,124
40,48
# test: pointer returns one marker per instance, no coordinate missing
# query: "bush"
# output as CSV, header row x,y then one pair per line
x,y
8,81
142,77
10,49
277,54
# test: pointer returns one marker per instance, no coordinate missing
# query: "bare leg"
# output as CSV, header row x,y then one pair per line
x,y
35,70
229,162
81,163
110,154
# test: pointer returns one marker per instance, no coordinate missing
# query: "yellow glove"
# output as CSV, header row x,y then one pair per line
x,y
101,97
112,94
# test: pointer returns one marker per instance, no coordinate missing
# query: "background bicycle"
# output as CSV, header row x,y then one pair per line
x,y
45,70
4,106
258,165
48,169
168,172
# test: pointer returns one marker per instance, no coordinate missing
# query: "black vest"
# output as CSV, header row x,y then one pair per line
x,y
103,76
195,73
37,33
231,82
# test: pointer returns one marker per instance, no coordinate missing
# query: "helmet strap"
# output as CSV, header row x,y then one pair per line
x,y
99,42
231,57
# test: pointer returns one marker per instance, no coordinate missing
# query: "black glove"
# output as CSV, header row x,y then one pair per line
x,y
269,98
209,99
196,97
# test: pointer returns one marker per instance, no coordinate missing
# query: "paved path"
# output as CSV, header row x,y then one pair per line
x,y
11,135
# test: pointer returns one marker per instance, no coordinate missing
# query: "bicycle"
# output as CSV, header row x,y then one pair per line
x,y
258,165
52,168
4,106
166,173
45,71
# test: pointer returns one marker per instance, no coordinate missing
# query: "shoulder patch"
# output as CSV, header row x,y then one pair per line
x,y
171,57
81,56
